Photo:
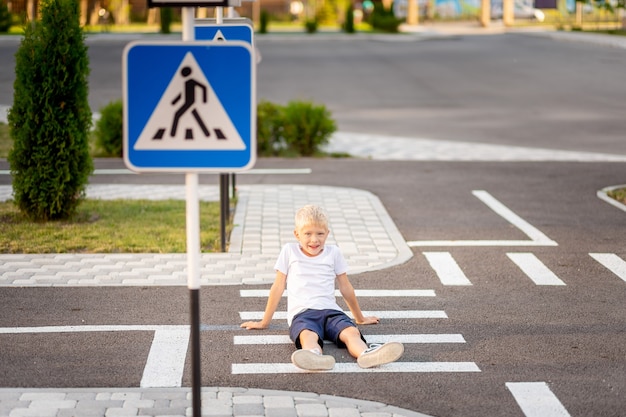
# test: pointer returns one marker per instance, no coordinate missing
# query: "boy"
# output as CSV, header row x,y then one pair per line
x,y
309,269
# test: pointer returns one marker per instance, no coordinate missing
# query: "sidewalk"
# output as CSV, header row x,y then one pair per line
x,y
176,402
263,223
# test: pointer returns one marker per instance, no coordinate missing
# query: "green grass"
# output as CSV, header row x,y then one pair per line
x,y
110,226
5,141
619,195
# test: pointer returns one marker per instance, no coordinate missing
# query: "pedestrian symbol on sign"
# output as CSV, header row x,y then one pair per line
x,y
190,100
198,119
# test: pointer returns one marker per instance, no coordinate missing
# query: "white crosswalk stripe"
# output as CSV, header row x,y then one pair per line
x,y
398,314
350,367
536,399
371,338
446,268
535,269
359,293
612,262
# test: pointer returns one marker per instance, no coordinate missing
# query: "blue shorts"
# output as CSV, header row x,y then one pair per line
x,y
327,324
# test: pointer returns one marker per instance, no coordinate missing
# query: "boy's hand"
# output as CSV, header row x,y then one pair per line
x,y
369,320
254,325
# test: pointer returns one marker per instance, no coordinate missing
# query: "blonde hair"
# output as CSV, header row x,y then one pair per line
x,y
311,214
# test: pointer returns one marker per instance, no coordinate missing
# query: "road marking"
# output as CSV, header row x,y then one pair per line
x,y
254,171
371,338
359,293
612,262
536,400
535,269
446,268
166,360
404,314
349,367
79,329
537,238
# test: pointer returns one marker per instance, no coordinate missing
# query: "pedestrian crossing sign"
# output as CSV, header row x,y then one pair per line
x,y
234,29
189,106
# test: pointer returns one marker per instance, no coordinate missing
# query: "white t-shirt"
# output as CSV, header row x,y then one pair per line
x,y
310,280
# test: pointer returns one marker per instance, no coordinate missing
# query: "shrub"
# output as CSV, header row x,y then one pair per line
x,y
311,25
307,127
166,19
269,127
264,21
348,25
50,118
5,17
298,129
109,130
384,19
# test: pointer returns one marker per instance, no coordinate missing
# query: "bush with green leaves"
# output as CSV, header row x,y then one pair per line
x,y
269,127
50,118
306,127
300,128
109,130
264,21
348,25
311,25
166,15
383,19
6,20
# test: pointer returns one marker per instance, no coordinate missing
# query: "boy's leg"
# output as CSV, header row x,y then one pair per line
x,y
310,356
309,340
351,337
305,331
374,355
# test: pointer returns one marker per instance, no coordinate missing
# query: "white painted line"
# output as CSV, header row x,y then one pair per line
x,y
612,262
257,171
359,293
537,238
79,329
277,171
351,367
446,268
371,338
535,269
536,400
166,360
405,314
478,243
529,230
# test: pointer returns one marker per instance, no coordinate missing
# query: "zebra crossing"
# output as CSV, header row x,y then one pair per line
x,y
450,273
352,367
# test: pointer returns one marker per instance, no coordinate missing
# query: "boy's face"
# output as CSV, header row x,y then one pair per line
x,y
311,238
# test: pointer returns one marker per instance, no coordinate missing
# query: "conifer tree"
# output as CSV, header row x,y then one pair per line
x,y
50,119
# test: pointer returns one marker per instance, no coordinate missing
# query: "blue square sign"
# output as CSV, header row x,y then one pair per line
x,y
189,106
234,29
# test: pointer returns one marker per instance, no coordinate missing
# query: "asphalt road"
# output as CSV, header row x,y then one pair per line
x,y
505,89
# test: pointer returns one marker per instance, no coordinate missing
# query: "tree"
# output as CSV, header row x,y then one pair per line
x,y
5,17
50,118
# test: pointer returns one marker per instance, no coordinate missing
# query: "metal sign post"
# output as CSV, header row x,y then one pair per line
x,y
193,254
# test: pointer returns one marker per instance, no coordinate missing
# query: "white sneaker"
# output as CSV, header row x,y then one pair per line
x,y
380,354
311,360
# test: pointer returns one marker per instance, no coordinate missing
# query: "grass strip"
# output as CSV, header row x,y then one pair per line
x,y
110,226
